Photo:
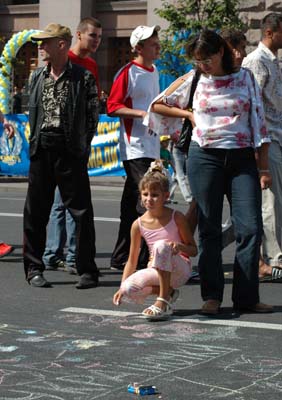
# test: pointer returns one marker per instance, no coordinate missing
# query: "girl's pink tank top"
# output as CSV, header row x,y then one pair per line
x,y
169,233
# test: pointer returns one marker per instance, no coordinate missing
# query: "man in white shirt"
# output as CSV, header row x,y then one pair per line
x,y
263,62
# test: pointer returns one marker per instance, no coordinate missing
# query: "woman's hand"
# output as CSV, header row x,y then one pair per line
x,y
265,179
175,247
263,168
117,298
191,117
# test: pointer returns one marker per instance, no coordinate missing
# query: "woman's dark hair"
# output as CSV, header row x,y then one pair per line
x,y
208,43
233,37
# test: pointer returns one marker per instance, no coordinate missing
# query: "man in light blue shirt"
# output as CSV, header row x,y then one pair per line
x,y
264,64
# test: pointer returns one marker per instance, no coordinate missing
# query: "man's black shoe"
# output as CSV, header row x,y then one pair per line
x,y
39,281
87,281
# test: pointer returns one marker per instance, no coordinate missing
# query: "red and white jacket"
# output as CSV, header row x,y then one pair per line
x,y
135,87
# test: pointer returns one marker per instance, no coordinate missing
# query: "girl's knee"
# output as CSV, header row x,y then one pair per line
x,y
129,288
138,289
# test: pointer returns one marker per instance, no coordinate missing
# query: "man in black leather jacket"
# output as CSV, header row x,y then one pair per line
x,y
63,116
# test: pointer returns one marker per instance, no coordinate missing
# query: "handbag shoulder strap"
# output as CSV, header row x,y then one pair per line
x,y
195,80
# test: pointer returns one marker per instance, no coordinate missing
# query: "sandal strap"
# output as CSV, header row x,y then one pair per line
x,y
164,301
155,311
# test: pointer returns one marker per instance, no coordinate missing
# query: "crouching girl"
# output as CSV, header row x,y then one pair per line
x,y
170,243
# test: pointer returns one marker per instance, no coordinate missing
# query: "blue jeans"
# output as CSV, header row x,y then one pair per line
x,y
181,168
61,229
213,173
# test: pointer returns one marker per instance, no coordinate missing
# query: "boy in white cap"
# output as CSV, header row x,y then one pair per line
x,y
134,88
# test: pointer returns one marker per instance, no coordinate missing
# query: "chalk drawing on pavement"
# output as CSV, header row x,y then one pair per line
x,y
66,361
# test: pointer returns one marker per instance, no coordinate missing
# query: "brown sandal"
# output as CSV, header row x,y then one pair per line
x,y
211,307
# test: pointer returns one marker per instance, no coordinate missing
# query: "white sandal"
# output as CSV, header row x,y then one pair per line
x,y
157,313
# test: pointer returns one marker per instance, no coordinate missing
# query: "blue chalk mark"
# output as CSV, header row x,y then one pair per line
x,y
28,331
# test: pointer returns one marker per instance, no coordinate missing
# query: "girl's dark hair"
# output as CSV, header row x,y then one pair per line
x,y
208,43
154,179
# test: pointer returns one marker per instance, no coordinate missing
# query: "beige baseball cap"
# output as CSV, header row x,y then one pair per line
x,y
53,31
142,32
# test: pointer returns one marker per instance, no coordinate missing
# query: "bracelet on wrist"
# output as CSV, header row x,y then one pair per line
x,y
264,170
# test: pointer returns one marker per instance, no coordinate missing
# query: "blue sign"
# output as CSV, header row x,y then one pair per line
x,y
104,157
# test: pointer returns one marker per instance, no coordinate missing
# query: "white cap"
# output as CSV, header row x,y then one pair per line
x,y
142,32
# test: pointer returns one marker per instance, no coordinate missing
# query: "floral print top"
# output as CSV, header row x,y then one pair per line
x,y
228,111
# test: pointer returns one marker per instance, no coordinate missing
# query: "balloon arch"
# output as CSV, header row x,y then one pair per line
x,y
9,53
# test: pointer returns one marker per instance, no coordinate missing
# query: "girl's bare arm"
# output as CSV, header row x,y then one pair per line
x,y
188,245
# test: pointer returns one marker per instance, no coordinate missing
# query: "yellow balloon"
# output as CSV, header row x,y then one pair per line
x,y
13,45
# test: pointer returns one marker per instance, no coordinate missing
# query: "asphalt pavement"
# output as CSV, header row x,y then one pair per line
x,y
67,344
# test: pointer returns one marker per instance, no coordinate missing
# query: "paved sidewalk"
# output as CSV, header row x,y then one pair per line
x,y
10,183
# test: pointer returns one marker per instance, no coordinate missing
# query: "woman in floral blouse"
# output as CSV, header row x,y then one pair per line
x,y
229,126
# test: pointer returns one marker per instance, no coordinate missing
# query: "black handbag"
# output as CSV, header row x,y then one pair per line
x,y
184,138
